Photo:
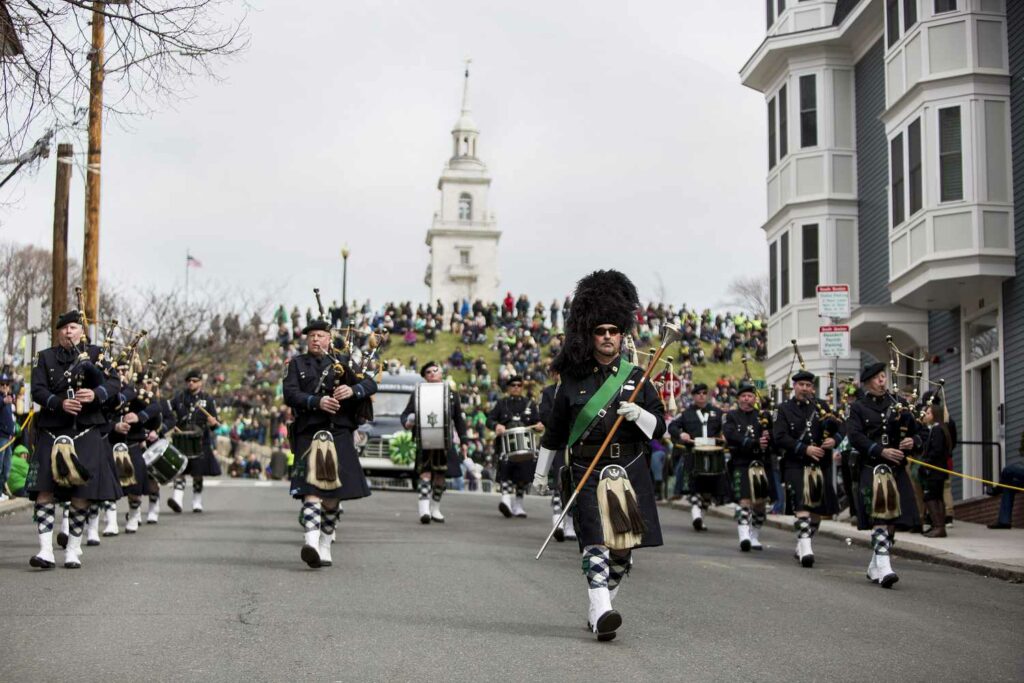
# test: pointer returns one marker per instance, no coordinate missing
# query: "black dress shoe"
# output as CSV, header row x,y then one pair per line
x,y
40,563
62,539
173,504
999,525
505,510
311,556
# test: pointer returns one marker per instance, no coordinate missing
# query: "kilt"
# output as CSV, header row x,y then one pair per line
x,y
205,465
716,486
793,480
353,481
585,513
95,454
142,488
517,472
446,462
738,475
909,516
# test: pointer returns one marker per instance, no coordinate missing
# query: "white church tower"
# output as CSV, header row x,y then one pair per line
x,y
463,238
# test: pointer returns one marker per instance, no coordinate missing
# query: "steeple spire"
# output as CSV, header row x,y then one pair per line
x,y
465,131
465,90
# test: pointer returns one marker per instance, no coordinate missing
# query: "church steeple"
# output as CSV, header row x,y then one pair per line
x,y
465,132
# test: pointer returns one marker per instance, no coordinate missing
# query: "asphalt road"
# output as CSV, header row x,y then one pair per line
x,y
223,596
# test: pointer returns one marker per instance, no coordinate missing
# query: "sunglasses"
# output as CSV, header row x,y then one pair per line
x,y
515,384
606,330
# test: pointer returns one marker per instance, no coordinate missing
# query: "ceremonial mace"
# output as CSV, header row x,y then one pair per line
x,y
670,336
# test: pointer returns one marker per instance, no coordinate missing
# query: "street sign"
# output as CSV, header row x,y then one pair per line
x,y
834,341
834,301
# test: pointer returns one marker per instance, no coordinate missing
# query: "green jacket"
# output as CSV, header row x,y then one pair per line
x,y
19,471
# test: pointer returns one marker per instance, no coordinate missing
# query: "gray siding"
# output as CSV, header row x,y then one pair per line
x,y
1013,290
872,178
943,333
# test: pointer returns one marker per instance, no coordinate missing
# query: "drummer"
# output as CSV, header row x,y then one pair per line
x,y
435,466
699,426
137,427
515,473
195,412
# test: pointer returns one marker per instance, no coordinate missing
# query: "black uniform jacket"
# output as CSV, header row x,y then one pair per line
x,y
876,422
547,401
50,386
574,392
689,422
513,411
303,390
188,416
798,425
743,436
454,412
148,411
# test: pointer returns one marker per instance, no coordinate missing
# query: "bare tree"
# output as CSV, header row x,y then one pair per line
x,y
750,294
153,48
24,273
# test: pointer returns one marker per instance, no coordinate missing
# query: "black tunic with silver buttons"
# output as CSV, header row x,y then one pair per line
x,y
512,412
878,422
690,422
630,447
57,373
800,424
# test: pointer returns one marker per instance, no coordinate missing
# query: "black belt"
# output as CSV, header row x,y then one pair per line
x,y
613,452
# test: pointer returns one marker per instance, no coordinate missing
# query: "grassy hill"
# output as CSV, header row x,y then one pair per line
x,y
446,343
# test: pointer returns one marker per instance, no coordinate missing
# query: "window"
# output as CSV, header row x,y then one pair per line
x,y
892,22
808,111
465,207
464,256
810,264
909,14
771,12
782,7
783,122
771,133
896,171
914,165
945,6
951,176
784,270
773,278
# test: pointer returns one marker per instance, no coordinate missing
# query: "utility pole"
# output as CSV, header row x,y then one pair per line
x,y
91,256
59,295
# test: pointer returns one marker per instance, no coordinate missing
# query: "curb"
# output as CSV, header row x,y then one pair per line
x,y
13,506
903,548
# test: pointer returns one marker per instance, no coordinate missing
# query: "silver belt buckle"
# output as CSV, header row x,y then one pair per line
x,y
614,451
885,439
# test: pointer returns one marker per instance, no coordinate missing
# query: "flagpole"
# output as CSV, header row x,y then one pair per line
x,y
187,257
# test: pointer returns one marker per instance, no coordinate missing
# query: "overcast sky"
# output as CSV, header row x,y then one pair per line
x,y
617,135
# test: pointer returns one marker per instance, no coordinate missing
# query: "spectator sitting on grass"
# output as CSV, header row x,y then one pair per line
x,y
457,360
410,337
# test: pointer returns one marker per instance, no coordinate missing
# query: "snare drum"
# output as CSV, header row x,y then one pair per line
x,y
518,444
432,418
164,462
708,460
189,443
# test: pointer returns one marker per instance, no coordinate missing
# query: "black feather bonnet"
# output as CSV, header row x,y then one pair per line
x,y
605,297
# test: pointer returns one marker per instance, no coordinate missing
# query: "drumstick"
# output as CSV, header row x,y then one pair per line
x,y
207,414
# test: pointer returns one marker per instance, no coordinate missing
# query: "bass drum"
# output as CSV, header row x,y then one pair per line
x,y
433,422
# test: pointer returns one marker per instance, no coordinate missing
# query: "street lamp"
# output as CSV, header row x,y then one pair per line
x,y
344,284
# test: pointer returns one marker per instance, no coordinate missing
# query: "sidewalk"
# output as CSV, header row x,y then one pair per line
x,y
9,507
974,547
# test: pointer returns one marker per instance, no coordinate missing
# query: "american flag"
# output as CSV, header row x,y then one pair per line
x,y
192,262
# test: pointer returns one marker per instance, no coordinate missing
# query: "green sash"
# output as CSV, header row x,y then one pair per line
x,y
597,403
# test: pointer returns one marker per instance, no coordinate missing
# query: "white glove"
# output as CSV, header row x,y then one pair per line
x,y
644,420
540,474
630,411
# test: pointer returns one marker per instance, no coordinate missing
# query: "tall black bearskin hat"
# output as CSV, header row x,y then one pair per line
x,y
605,297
